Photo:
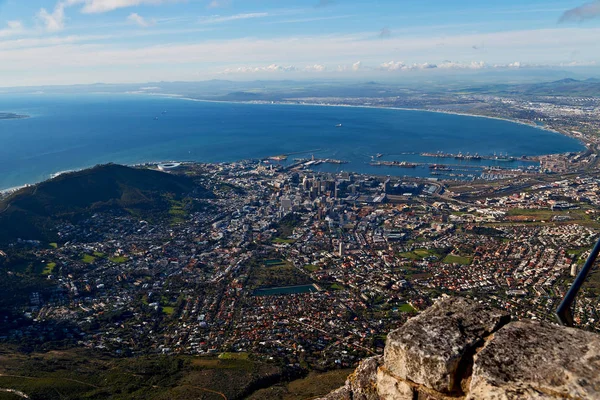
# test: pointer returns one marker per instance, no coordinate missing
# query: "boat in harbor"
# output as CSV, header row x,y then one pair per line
x,y
503,157
401,164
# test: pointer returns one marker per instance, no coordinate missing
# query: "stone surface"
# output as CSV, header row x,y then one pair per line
x,y
531,360
361,384
461,350
391,388
435,348
342,393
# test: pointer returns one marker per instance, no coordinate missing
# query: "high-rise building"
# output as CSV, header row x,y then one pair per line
x,y
286,205
305,183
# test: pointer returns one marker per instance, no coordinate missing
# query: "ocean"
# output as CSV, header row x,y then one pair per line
x,y
67,132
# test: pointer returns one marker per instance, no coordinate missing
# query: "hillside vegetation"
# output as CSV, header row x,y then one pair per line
x,y
85,374
32,212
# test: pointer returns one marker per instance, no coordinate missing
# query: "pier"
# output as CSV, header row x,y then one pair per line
x,y
284,156
317,161
477,157
401,164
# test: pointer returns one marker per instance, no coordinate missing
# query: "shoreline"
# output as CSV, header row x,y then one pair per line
x,y
287,103
6,191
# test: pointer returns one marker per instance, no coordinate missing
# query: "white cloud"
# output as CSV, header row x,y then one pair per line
x,y
315,68
101,6
54,21
51,41
356,66
579,64
207,58
13,28
215,19
218,3
268,68
458,65
138,20
393,66
276,68
401,66
310,19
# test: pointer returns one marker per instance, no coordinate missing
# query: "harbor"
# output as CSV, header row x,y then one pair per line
x,y
478,157
440,167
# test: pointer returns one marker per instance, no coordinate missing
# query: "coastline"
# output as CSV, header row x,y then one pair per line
x,y
288,103
9,190
48,176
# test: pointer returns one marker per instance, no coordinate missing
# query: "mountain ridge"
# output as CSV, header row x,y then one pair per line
x,y
31,212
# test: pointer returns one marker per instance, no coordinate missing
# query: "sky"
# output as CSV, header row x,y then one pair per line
x,y
50,42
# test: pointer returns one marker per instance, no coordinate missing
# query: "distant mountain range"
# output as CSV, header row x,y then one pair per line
x,y
564,87
34,211
518,82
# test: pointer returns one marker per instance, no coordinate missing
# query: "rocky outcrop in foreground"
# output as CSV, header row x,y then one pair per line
x,y
460,349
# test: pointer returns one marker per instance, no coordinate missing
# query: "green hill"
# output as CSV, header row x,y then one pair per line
x,y
32,212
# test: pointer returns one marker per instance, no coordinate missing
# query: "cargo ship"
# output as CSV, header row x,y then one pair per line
x,y
439,167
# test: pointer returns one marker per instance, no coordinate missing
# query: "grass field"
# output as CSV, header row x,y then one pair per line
x,y
177,212
419,254
49,268
543,214
118,260
311,268
313,386
234,356
88,259
54,245
81,374
414,272
98,254
452,259
406,308
276,272
168,310
282,241
577,216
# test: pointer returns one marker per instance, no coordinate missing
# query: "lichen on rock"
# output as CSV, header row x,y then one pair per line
x,y
435,347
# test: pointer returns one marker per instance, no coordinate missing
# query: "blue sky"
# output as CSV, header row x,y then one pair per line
x,y
88,41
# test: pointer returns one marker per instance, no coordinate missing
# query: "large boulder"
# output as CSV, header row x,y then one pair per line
x,y
361,384
532,360
435,349
460,349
